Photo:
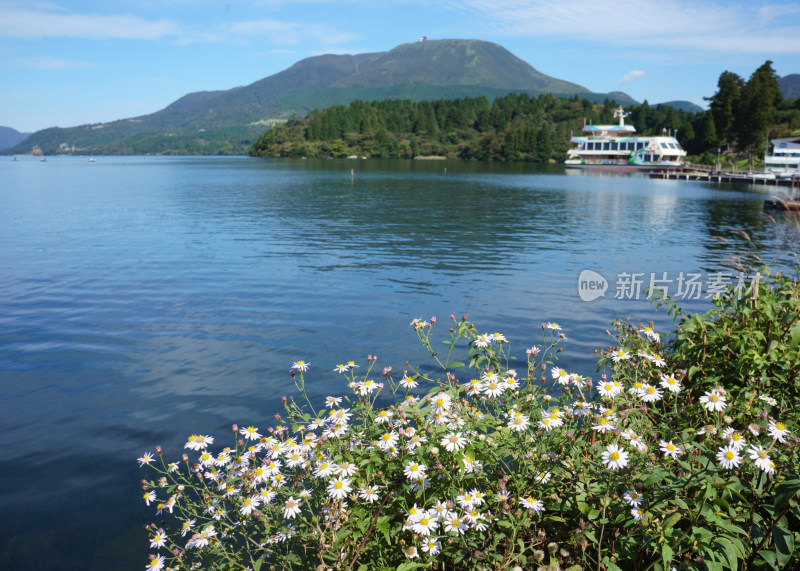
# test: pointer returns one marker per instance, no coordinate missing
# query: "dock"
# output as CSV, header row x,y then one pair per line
x,y
720,177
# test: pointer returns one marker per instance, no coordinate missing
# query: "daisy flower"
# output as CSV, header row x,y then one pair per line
x,y
249,504
146,459
324,469
542,477
561,375
250,433
159,539
203,538
369,493
156,563
650,334
408,382
670,450
615,457
734,438
301,366
149,497
340,368
441,402
714,401
339,488
411,552
482,341
761,459
553,326
620,355
492,388
637,513
291,508
198,442
414,471
729,457
518,422
670,383
603,424
768,399
635,440
532,504
633,497
426,524
499,338
431,547
777,430
186,526
347,469
607,389
331,402
455,523
454,441
650,393
547,424
388,439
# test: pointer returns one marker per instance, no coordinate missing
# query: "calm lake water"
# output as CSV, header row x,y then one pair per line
x,y
143,299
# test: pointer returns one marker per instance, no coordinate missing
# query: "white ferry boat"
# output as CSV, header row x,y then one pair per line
x,y
617,148
785,158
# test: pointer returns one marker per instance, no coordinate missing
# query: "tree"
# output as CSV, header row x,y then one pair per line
x,y
758,108
725,104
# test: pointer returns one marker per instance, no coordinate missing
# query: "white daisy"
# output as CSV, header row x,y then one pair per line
x,y
615,457
729,457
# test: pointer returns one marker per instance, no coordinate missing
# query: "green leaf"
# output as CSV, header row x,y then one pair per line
x,y
666,554
456,365
785,491
584,508
770,558
729,551
670,522
784,544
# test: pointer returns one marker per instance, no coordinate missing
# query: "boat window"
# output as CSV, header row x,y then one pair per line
x,y
606,146
640,145
664,145
672,145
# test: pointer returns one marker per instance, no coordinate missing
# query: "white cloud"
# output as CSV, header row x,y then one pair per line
x,y
734,26
25,23
630,76
287,33
52,63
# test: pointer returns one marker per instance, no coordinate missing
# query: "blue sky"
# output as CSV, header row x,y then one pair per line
x,y
66,63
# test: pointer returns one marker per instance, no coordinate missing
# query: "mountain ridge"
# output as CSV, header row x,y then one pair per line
x,y
223,121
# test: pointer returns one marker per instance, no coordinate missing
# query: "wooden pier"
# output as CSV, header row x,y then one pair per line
x,y
741,178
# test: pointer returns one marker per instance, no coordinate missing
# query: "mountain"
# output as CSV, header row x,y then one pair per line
x,y
11,137
211,122
790,86
684,106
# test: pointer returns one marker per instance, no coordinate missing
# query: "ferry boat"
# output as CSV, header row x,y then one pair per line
x,y
785,158
617,148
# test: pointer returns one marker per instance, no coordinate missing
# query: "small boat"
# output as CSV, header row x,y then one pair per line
x,y
92,160
785,158
616,148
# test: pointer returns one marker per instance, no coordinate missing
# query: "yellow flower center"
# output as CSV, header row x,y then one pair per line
x,y
729,455
614,456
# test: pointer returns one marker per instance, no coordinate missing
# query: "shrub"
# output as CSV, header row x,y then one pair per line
x,y
681,455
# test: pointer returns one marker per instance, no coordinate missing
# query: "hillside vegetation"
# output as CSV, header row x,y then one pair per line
x,y
227,121
520,127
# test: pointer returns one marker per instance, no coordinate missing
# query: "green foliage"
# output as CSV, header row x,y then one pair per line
x,y
753,339
515,127
681,455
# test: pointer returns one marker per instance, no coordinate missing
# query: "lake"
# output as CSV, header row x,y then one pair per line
x,y
143,299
